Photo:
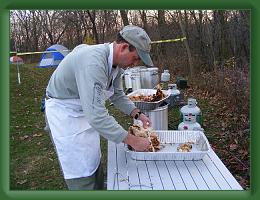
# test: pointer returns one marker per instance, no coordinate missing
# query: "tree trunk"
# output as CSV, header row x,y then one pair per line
x,y
124,17
144,19
210,39
186,45
162,29
94,29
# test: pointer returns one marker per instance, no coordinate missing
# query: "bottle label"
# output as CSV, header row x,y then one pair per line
x,y
191,118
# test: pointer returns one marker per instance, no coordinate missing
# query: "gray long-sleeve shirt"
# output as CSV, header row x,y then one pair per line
x,y
84,74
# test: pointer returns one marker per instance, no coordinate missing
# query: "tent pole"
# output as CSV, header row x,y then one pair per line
x,y
15,46
18,73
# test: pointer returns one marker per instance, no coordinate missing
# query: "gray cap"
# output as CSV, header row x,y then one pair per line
x,y
137,37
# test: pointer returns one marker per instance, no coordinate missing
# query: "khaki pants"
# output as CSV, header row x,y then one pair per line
x,y
93,182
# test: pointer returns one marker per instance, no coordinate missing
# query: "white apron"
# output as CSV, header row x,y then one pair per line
x,y
77,143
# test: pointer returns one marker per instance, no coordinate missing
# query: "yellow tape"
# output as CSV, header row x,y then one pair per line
x,y
153,42
171,40
28,53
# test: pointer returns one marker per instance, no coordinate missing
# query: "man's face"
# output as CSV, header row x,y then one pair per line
x,y
128,58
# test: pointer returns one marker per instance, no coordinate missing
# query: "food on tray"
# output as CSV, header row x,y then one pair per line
x,y
138,130
149,133
159,95
155,143
185,147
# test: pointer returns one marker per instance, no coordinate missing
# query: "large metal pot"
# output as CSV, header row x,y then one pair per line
x,y
158,117
128,80
135,79
154,75
149,77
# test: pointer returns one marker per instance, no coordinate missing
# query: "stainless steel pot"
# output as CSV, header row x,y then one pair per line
x,y
136,80
128,80
149,77
158,117
154,75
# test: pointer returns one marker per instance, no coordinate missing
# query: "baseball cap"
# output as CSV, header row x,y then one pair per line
x,y
137,37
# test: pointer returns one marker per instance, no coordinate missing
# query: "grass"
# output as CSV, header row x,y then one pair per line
x,y
33,162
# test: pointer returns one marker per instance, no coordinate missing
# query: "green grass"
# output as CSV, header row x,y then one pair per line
x,y
33,163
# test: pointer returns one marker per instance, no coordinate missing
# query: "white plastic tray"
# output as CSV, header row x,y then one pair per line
x,y
170,140
144,105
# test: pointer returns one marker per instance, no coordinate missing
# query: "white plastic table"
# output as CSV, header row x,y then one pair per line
x,y
125,173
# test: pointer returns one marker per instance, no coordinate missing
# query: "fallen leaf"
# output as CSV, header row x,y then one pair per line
x,y
37,135
22,181
233,147
24,137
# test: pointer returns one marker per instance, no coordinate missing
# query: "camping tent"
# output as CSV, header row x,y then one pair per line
x,y
16,60
55,55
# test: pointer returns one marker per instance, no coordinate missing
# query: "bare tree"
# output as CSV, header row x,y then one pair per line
x,y
144,19
162,29
92,17
213,36
123,14
186,45
54,25
23,29
209,38
197,16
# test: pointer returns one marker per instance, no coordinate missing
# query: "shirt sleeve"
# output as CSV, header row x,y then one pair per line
x,y
91,80
119,99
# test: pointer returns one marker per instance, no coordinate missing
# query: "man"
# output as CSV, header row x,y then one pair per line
x,y
75,105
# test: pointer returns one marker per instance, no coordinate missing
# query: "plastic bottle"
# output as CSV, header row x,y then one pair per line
x,y
174,94
165,78
191,112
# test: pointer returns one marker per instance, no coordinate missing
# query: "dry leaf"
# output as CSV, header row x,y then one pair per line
x,y
37,135
24,137
22,181
233,147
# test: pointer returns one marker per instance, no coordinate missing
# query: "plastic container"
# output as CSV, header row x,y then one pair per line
x,y
175,95
189,126
191,112
165,76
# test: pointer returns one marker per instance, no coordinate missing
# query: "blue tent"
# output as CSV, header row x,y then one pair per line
x,y
54,57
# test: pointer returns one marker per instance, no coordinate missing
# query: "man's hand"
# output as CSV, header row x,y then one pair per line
x,y
145,120
142,117
137,143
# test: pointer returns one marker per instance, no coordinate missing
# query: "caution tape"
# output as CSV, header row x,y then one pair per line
x,y
171,40
40,52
